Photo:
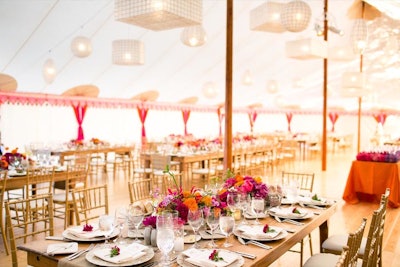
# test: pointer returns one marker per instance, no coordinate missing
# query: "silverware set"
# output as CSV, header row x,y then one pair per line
x,y
253,242
288,221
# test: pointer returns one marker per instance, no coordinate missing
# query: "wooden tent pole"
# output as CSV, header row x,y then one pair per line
x,y
360,98
325,91
228,84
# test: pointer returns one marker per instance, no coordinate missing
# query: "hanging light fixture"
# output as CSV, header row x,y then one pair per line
x,y
272,86
127,52
359,35
158,15
49,71
296,16
210,90
247,78
81,46
194,36
267,17
307,48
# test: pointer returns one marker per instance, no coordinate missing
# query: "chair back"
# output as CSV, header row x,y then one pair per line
x,y
354,243
90,203
139,189
39,181
40,223
160,162
3,184
305,181
373,247
343,257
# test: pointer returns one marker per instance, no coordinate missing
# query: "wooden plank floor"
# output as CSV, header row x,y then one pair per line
x,y
329,183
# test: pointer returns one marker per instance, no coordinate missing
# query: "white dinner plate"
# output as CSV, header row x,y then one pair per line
x,y
66,234
216,235
304,215
251,216
237,263
190,239
321,202
281,235
90,257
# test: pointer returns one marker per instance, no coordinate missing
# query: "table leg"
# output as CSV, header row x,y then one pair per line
x,y
323,233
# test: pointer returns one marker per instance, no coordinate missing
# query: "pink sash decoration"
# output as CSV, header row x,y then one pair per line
x,y
79,115
380,118
142,116
185,115
333,116
252,118
289,116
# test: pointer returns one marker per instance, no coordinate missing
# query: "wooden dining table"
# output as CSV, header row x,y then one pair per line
x,y
36,250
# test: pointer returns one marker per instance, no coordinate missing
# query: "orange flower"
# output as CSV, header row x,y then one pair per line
x,y
191,203
258,180
186,194
14,151
207,200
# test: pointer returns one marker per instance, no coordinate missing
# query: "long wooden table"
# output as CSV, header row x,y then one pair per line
x,y
36,255
367,181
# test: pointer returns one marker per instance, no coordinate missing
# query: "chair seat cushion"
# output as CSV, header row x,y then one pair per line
x,y
337,242
322,259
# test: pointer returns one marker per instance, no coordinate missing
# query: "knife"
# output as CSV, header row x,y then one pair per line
x,y
246,255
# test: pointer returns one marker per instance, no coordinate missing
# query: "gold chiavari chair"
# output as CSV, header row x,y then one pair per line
x,y
139,189
3,183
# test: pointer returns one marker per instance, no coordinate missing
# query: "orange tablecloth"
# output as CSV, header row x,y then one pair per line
x,y
368,181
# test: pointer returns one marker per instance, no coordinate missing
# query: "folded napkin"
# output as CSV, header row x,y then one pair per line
x,y
78,232
256,231
200,257
62,248
288,212
126,253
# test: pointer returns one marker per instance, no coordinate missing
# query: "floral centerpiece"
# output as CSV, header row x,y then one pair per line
x,y
9,157
249,185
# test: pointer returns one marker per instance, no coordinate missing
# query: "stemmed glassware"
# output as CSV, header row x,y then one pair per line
x,y
244,203
232,200
121,216
257,205
226,224
106,225
136,216
195,219
165,236
212,220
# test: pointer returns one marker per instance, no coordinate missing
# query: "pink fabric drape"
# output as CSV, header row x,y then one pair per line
x,y
252,119
142,116
380,118
289,116
185,115
79,115
333,117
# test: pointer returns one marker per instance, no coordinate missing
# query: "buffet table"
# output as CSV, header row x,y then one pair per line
x,y
36,255
367,181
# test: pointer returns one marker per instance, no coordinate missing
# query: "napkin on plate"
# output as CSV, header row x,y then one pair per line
x,y
62,248
78,232
200,257
256,231
288,212
126,253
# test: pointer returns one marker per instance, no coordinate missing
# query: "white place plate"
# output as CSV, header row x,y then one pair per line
x,y
62,248
323,202
16,174
90,257
304,215
251,216
281,235
205,235
237,263
190,239
70,236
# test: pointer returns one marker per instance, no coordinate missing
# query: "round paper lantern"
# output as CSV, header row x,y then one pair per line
x,y
272,86
296,16
210,90
49,71
194,36
81,46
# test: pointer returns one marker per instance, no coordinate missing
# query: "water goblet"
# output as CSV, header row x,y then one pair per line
x,y
195,219
244,203
212,220
106,225
121,216
165,236
257,205
226,225
232,201
136,216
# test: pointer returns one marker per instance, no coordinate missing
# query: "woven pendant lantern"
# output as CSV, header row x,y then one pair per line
x,y
296,16
81,46
210,90
359,36
194,36
127,52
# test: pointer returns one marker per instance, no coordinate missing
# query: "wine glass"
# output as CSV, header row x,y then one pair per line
x,y
212,220
244,203
106,225
232,201
195,219
136,216
165,236
257,205
226,224
121,216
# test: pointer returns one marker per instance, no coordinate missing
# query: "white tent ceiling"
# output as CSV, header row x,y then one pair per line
x,y
34,30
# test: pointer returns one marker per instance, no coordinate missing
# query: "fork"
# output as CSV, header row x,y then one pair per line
x,y
80,252
253,242
293,222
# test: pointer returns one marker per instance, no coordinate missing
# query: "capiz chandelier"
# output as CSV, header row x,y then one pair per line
x,y
158,15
